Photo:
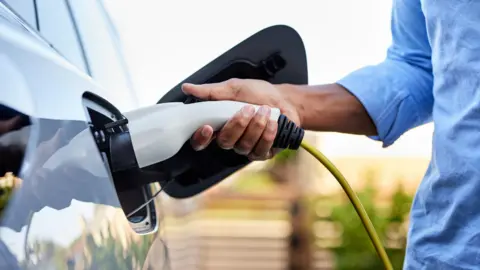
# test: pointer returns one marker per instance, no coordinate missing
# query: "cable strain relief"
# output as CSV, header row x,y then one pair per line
x,y
289,135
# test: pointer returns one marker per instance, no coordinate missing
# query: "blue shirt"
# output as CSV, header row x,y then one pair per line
x,y
432,73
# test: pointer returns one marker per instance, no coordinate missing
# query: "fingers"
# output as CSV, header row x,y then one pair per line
x,y
233,130
226,90
253,132
202,138
248,133
228,135
263,149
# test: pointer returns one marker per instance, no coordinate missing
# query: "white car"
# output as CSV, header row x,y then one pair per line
x,y
62,73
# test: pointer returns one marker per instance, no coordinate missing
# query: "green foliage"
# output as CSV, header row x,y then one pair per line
x,y
284,156
356,251
401,203
109,254
105,254
399,210
42,253
7,189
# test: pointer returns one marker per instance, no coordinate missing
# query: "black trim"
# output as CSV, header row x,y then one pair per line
x,y
37,21
103,103
79,38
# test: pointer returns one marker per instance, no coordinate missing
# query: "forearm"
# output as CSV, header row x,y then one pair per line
x,y
330,108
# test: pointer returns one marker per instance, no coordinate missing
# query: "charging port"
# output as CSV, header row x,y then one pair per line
x,y
104,118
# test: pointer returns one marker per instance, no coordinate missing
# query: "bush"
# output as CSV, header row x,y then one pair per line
x,y
356,251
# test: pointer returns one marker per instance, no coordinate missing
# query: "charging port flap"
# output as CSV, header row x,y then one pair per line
x,y
275,54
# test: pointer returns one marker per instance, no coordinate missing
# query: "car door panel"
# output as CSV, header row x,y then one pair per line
x,y
66,212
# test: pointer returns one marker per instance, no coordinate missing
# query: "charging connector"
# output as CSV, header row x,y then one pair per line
x,y
289,135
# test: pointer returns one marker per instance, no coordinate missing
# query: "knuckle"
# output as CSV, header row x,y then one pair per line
x,y
269,137
240,122
235,86
233,83
259,123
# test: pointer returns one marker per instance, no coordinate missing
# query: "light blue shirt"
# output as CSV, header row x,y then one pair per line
x,y
432,73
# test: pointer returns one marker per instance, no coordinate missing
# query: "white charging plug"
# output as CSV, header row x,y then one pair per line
x,y
158,132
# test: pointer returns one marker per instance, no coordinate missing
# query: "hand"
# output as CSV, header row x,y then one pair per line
x,y
247,133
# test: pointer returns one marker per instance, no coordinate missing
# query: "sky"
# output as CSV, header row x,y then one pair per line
x,y
166,41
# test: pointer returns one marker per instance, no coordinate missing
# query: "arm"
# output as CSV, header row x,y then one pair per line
x,y
329,107
396,94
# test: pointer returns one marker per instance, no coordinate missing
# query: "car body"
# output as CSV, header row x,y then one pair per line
x,y
63,75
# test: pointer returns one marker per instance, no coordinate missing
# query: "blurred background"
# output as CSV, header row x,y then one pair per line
x,y
287,213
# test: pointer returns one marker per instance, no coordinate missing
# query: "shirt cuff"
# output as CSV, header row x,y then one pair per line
x,y
374,88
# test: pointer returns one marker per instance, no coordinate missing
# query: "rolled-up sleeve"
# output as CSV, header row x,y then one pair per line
x,y
397,93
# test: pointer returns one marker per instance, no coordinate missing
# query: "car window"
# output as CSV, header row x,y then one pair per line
x,y
102,50
56,25
25,9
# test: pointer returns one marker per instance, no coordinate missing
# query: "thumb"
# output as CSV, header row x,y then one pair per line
x,y
210,91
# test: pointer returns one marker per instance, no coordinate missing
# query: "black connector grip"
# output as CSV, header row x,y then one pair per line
x,y
289,135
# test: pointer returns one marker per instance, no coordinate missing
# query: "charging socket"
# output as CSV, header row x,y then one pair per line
x,y
110,131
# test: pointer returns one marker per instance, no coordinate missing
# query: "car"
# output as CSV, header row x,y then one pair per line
x,y
64,80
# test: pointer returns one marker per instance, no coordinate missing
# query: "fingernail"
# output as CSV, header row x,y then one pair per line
x,y
205,132
264,110
221,143
240,152
186,85
199,147
248,111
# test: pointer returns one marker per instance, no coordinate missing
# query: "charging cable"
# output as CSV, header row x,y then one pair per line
x,y
289,135
367,223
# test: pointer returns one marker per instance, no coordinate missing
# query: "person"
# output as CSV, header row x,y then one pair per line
x,y
431,74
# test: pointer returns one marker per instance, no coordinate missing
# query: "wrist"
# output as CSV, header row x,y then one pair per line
x,y
327,107
294,97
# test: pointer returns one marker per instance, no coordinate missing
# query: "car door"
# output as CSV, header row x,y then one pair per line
x,y
57,215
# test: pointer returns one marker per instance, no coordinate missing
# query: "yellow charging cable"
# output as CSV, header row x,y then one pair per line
x,y
367,223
